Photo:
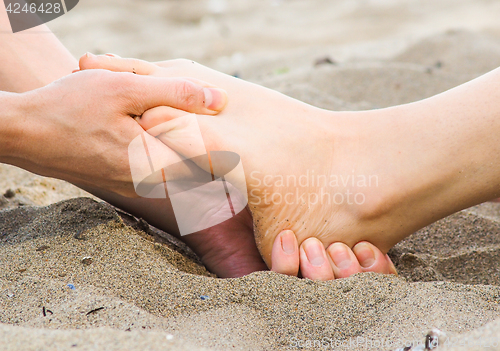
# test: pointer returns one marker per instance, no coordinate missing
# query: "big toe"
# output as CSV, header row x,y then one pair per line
x,y
371,259
285,254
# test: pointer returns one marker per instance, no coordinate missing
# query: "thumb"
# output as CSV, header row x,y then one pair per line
x,y
146,92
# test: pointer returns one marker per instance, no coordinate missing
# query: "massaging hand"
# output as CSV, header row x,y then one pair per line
x,y
79,127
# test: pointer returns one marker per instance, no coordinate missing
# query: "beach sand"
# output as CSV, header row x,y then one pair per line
x,y
77,274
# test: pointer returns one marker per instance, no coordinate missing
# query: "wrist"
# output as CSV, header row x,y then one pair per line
x,y
14,113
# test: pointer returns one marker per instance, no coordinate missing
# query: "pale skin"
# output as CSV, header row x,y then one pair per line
x,y
431,158
73,141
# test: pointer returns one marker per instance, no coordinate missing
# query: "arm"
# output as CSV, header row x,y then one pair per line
x,y
10,132
32,58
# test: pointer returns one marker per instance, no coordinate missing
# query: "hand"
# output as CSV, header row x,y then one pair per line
x,y
79,127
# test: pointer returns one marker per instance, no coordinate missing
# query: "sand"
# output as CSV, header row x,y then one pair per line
x,y
76,274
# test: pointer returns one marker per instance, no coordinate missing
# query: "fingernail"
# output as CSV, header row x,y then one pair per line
x,y
215,99
314,252
288,242
89,55
365,255
340,255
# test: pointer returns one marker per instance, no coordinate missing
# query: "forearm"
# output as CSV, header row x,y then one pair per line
x,y
11,117
32,58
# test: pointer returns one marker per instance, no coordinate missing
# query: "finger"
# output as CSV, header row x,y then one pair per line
x,y
285,254
180,134
158,115
116,64
157,169
371,259
143,93
152,162
314,263
209,98
344,262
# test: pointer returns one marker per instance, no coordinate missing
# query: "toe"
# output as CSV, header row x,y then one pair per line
x,y
314,263
392,269
285,254
344,262
371,259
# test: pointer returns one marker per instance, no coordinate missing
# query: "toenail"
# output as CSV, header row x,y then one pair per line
x,y
314,252
365,255
340,256
392,269
288,242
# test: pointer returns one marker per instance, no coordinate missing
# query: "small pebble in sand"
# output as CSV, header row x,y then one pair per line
x,y
42,248
324,61
9,194
87,261
71,286
169,336
204,297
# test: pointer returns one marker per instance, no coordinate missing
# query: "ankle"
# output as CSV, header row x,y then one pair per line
x,y
362,148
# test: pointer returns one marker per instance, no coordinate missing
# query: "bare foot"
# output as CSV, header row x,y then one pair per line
x,y
327,176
